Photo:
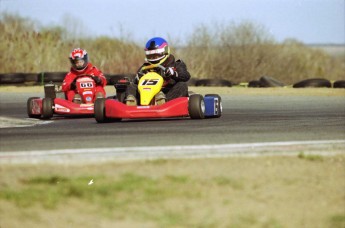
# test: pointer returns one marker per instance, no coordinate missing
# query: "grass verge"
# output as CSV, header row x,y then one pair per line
x,y
204,90
300,191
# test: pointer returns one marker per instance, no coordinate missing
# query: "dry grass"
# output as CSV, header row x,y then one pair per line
x,y
237,52
299,191
28,49
246,51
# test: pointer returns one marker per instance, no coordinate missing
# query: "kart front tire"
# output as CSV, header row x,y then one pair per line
x,y
29,108
196,106
47,108
99,109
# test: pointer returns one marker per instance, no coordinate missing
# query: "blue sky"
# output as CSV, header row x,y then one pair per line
x,y
309,21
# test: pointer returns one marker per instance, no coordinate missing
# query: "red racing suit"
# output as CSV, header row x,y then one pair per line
x,y
72,75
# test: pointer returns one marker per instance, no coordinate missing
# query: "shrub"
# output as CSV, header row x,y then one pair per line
x,y
236,52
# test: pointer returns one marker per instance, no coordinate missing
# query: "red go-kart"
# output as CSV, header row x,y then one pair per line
x,y
195,106
56,103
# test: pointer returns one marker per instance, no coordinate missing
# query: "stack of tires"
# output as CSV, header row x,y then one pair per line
x,y
213,82
264,82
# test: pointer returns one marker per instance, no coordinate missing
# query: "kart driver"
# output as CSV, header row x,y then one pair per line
x,y
80,66
175,75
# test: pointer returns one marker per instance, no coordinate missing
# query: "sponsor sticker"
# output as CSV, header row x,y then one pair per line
x,y
60,108
35,107
216,106
85,105
87,92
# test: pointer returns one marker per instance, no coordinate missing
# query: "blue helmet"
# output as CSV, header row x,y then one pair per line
x,y
157,50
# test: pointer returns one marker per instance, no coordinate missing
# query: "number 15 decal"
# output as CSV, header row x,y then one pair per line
x,y
150,82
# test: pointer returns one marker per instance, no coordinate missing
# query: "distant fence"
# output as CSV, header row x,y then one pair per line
x,y
263,82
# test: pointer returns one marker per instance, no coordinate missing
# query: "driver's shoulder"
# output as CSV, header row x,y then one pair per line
x,y
71,74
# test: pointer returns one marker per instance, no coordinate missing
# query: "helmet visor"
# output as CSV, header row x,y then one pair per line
x,y
155,55
78,63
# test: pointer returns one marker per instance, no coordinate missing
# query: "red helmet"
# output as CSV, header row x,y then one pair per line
x,y
79,59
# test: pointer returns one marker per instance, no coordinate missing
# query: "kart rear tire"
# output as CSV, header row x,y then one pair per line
x,y
196,106
219,105
47,108
29,108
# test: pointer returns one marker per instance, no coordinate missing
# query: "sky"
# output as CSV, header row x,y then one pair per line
x,y
308,21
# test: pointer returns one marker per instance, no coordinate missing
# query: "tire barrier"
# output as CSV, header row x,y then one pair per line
x,y
313,83
266,81
45,77
31,78
192,81
339,84
213,82
12,78
254,84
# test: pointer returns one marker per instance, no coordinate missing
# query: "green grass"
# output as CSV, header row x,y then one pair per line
x,y
337,221
227,192
57,189
310,157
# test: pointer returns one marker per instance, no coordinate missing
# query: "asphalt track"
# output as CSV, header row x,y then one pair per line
x,y
246,120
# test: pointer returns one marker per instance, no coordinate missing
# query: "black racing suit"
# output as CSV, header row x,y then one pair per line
x,y
173,87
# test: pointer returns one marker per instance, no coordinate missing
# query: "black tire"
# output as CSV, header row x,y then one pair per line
x,y
49,91
99,110
192,81
29,108
254,84
314,83
51,77
213,82
12,78
47,108
219,105
31,78
266,81
339,84
196,107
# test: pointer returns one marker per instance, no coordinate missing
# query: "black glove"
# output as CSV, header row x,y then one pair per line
x,y
73,85
170,72
98,80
